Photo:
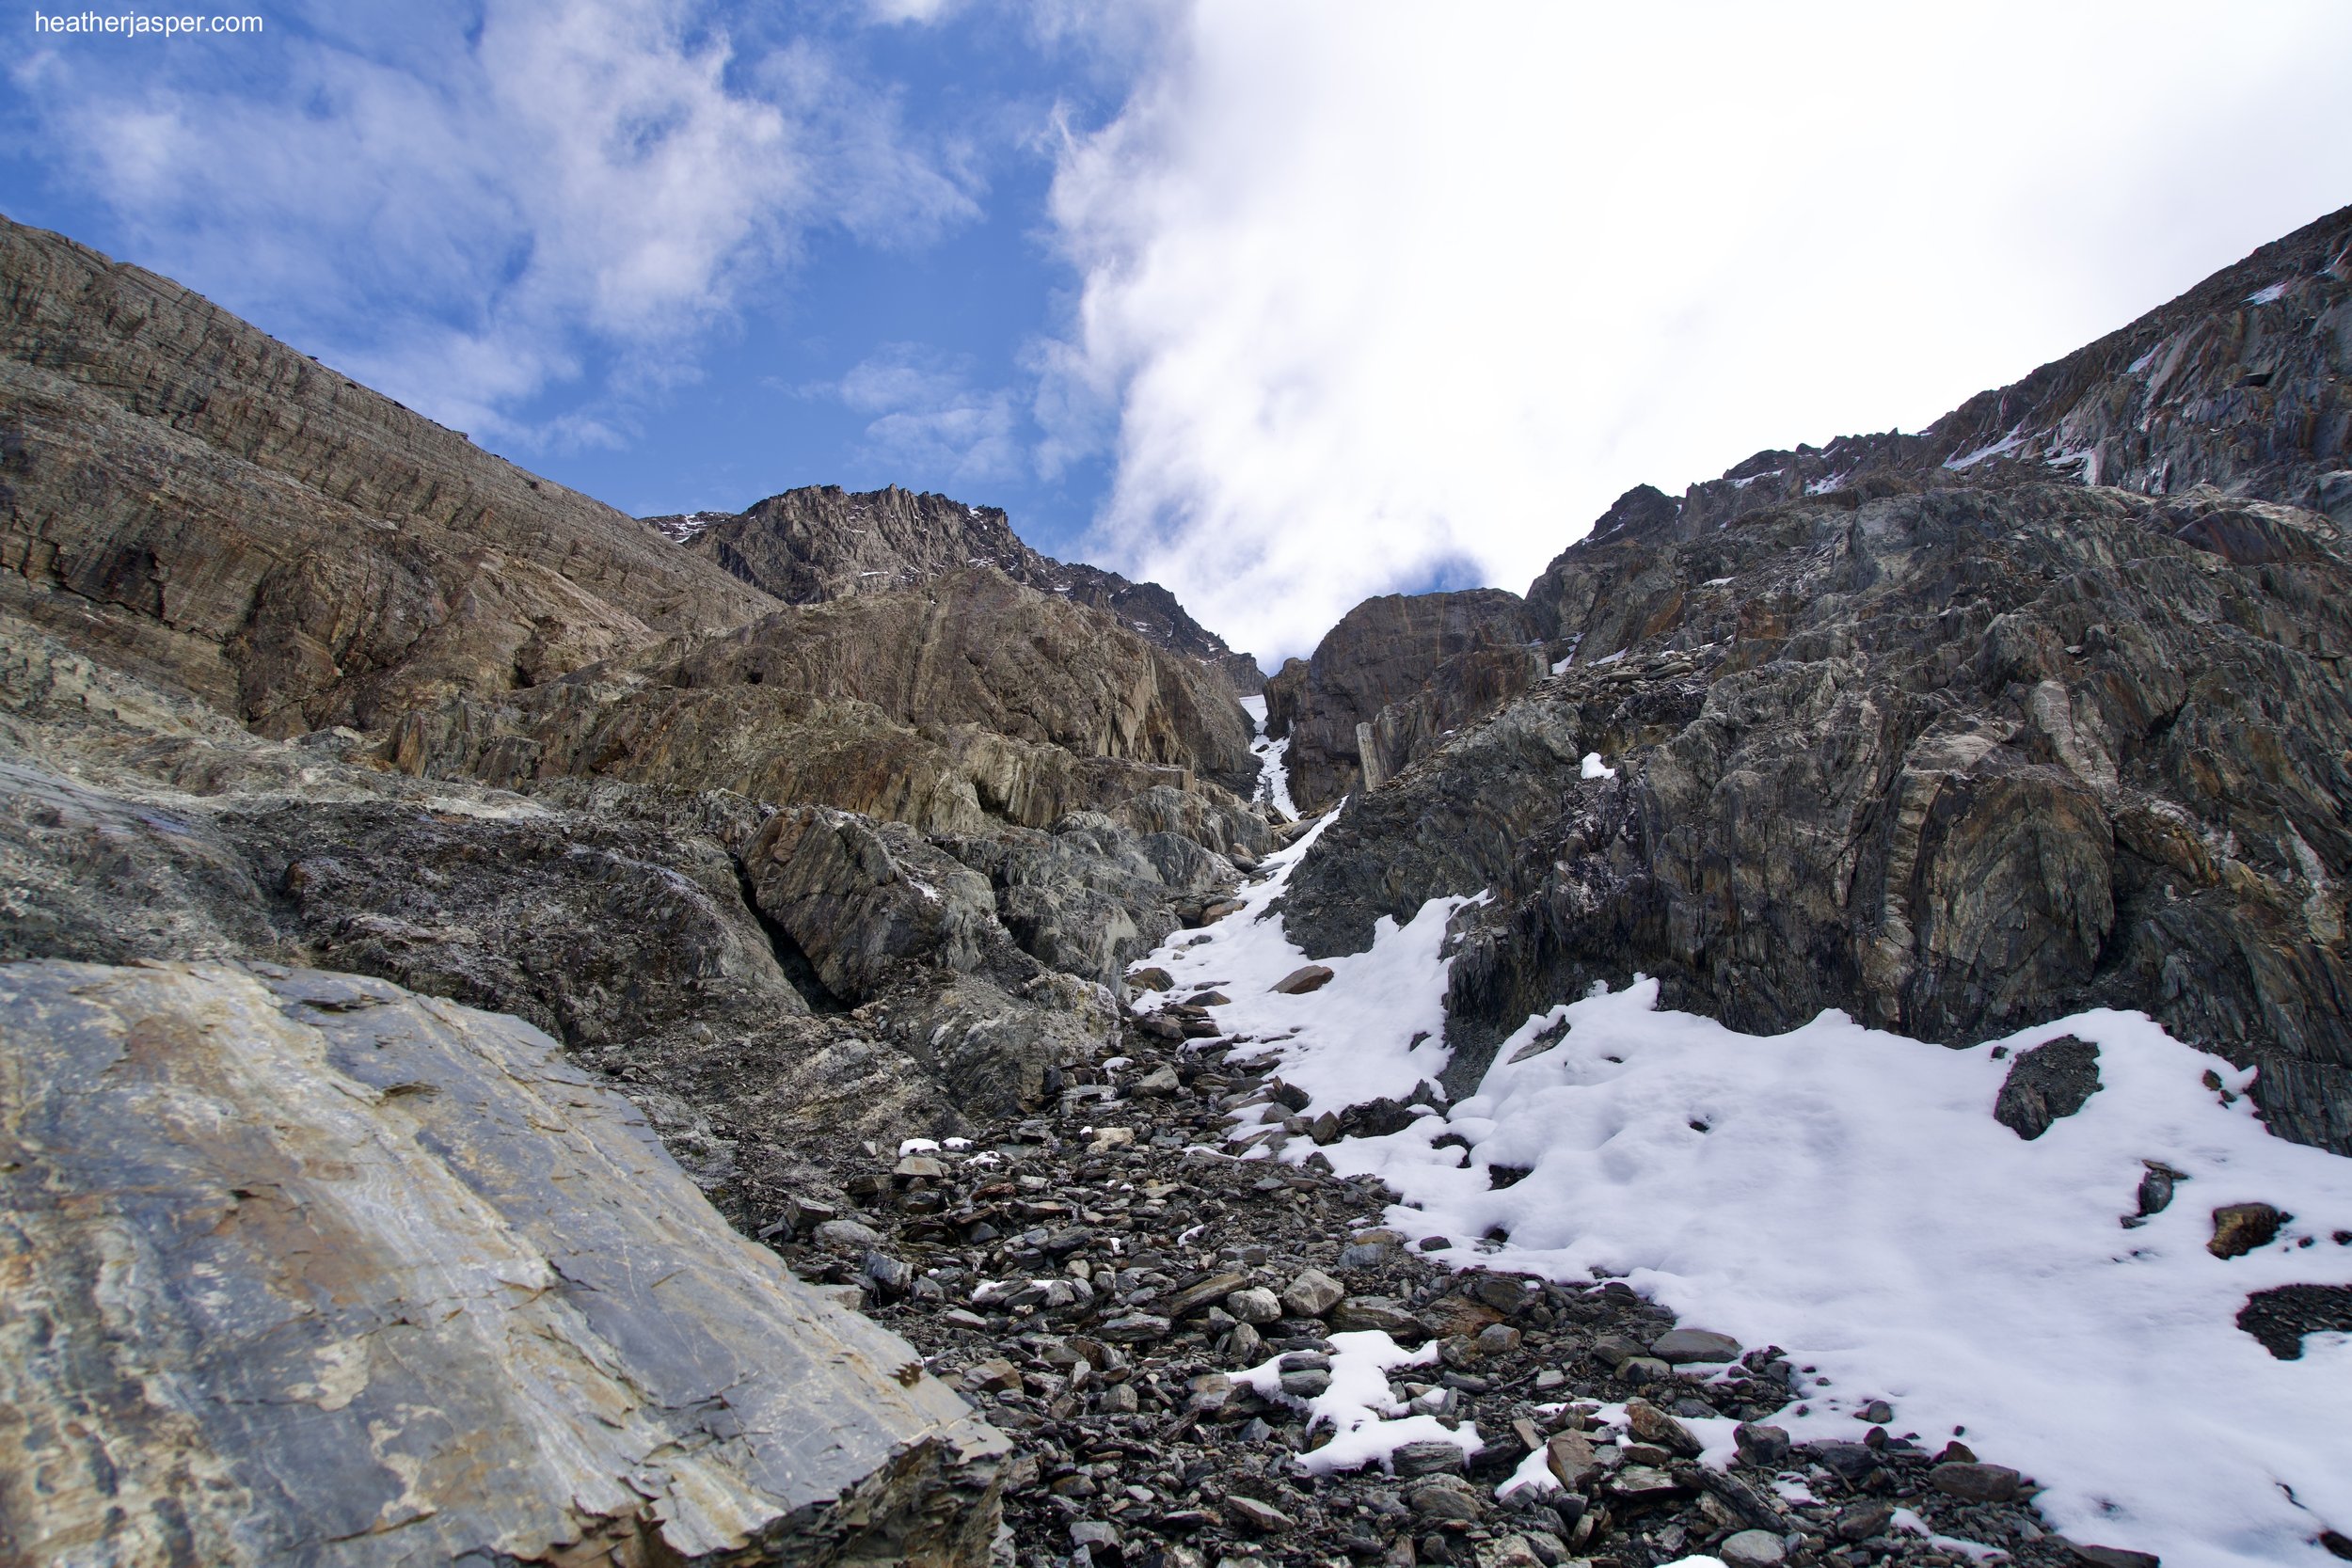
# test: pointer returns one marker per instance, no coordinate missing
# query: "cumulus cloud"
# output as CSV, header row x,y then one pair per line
x,y
1371,298
468,210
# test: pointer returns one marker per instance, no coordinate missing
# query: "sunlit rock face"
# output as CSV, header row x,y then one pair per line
x,y
305,1267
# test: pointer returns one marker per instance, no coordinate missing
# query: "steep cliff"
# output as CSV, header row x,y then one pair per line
x,y
1393,678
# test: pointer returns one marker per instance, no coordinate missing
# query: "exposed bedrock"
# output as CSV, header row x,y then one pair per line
x,y
1439,659
205,505
1953,761
820,542
307,1268
966,701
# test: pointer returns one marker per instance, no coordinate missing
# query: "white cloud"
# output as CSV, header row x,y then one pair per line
x,y
1374,293
564,184
930,425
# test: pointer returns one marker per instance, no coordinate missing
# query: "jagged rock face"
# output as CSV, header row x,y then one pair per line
x,y
820,542
968,701
1953,761
2239,383
1450,655
304,1266
207,506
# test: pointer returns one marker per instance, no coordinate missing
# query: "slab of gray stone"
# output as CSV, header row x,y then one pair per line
x,y
324,1267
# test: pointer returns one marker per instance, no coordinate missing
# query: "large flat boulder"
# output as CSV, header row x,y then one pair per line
x,y
304,1267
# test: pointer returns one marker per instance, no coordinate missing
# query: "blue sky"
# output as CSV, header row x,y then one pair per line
x,y
1281,303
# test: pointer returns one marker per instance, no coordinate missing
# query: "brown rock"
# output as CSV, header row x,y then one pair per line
x,y
2239,1228
1298,982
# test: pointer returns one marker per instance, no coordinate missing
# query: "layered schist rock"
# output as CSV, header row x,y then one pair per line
x,y
967,701
820,542
306,1268
200,502
1953,761
1394,676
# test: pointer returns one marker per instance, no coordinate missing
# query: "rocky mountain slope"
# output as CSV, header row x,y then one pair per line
x,y
820,543
1948,740
209,506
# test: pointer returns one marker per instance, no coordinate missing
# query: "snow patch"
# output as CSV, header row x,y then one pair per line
x,y
2006,444
1274,775
1368,1423
1595,769
2269,295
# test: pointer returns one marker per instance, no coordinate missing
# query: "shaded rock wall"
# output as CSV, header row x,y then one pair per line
x,y
304,1266
201,503
1952,761
1464,649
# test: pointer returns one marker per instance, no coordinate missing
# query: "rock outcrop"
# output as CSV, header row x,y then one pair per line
x,y
203,504
306,1268
1952,761
820,542
966,701
1394,676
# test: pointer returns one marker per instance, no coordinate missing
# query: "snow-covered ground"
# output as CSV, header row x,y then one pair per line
x,y
1274,782
1846,1194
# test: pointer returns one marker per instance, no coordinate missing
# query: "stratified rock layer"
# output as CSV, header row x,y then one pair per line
x,y
305,1268
1953,761
202,504
967,701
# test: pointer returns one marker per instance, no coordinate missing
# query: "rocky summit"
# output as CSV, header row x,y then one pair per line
x,y
535,1035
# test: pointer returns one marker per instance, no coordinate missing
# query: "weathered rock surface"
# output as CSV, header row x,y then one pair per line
x,y
2240,383
964,702
820,542
203,504
305,1267
1412,668
1954,761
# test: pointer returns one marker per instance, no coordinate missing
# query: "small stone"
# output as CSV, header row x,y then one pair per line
x,y
1570,1458
1752,1548
1111,1137
2117,1556
1245,1343
1312,1294
1766,1447
1682,1346
1364,1256
1250,1514
1160,1084
1653,1425
918,1168
1437,1500
1192,1299
847,1234
995,1375
1550,1379
1256,1305
2238,1229
1119,1400
1135,1328
1860,1524
1851,1461
1615,1349
1298,982
963,1318
1645,1369
1512,1551
1976,1484
1306,1383
1377,1313
1644,1483
1499,1339
1154,978
1878,1412
1428,1457
1094,1532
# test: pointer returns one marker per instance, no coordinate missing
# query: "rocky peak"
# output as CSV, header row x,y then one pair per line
x,y
820,542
